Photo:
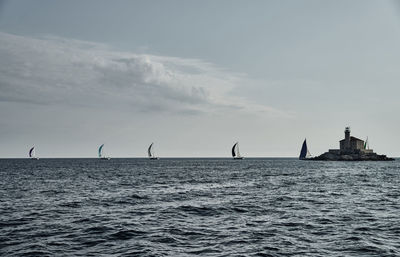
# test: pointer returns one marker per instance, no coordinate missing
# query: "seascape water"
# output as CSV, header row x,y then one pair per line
x,y
199,207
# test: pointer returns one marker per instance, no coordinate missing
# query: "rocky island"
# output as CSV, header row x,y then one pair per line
x,y
351,149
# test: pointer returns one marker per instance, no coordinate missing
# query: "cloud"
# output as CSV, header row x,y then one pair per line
x,y
51,70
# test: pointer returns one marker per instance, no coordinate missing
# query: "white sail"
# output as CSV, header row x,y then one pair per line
x,y
308,155
236,152
366,144
100,153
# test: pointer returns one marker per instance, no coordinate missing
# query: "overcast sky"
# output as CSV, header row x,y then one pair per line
x,y
194,77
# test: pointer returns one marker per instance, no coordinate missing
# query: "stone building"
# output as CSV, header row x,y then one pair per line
x,y
350,145
351,149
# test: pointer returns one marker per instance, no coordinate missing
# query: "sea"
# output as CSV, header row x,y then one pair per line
x,y
199,207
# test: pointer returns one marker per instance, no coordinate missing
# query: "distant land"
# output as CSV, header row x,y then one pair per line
x,y
351,149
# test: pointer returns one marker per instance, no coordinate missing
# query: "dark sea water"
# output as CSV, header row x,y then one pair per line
x,y
204,207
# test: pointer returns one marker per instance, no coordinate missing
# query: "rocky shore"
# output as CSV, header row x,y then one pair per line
x,y
330,156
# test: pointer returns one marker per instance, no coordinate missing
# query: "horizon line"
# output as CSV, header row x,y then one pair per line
x,y
167,157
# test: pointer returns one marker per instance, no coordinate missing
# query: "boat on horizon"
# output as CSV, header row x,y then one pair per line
x,y
235,152
150,153
32,154
366,144
304,153
101,156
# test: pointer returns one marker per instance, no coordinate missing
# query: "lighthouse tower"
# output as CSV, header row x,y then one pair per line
x,y
347,138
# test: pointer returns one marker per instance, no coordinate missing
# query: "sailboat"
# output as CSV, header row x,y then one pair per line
x,y
150,153
304,153
32,154
235,152
101,157
366,144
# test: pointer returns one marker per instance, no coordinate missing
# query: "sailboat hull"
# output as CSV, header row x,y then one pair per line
x,y
153,158
105,158
238,158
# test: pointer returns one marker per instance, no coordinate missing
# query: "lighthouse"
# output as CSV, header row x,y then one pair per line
x,y
347,138
351,149
350,144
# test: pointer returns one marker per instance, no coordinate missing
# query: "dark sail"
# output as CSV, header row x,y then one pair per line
x,y
149,151
233,150
31,151
100,149
303,152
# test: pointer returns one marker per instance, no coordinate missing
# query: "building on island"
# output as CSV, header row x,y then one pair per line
x,y
350,145
351,149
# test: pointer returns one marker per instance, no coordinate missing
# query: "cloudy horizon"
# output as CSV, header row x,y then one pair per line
x,y
263,74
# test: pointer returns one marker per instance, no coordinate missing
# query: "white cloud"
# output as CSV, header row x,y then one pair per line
x,y
51,70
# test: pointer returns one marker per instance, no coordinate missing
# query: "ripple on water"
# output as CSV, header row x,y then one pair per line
x,y
204,207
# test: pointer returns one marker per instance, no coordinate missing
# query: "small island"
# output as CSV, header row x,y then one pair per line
x,y
351,149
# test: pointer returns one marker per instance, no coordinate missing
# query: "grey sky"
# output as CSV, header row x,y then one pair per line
x,y
196,76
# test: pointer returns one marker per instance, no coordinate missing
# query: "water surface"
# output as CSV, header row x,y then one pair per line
x,y
207,207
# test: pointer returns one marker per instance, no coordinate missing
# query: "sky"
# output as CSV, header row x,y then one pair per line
x,y
194,77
